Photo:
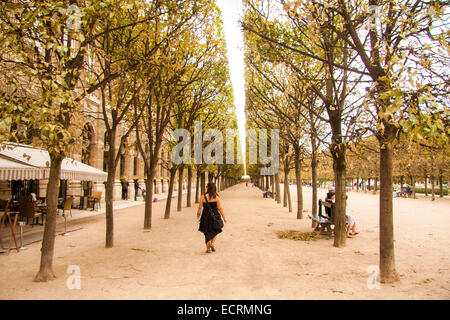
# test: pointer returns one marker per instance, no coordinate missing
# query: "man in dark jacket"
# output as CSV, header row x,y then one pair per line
x,y
136,189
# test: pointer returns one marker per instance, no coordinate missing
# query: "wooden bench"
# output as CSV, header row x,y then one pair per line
x,y
95,198
269,194
404,194
323,223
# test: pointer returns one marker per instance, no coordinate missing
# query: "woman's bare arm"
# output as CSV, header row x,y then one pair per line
x,y
200,204
219,206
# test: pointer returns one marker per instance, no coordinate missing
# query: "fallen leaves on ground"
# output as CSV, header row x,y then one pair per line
x,y
142,250
297,235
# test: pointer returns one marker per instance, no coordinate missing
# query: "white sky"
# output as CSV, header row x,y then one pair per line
x,y
231,12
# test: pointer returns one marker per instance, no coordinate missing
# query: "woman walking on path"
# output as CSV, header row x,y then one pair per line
x,y
210,223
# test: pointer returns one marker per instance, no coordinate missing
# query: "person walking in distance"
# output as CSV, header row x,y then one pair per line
x,y
211,218
136,188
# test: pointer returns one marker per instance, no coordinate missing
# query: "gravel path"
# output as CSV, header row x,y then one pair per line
x,y
251,262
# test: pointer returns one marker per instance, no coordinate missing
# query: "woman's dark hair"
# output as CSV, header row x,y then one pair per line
x,y
330,195
211,190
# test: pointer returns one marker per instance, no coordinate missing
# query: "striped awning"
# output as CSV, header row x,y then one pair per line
x,y
12,170
21,162
75,170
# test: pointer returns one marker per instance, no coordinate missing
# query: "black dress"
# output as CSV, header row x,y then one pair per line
x,y
207,222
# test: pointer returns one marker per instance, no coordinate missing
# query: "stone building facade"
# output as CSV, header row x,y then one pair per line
x,y
130,167
91,151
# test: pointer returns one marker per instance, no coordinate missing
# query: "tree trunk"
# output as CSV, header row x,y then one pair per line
x,y
357,184
387,257
401,183
288,192
433,195
109,203
277,188
45,272
272,184
426,186
285,186
338,151
376,185
314,187
109,190
197,187
210,177
340,198
180,188
189,187
299,182
413,182
441,189
173,172
203,182
148,200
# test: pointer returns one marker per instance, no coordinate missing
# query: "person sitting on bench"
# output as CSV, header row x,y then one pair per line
x,y
351,225
330,199
397,192
408,190
349,219
266,193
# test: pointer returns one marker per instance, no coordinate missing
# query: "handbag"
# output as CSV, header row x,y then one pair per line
x,y
217,223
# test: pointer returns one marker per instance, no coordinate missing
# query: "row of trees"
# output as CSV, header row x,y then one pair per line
x,y
413,162
331,74
155,65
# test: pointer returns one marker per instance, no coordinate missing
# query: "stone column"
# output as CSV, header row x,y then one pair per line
x,y
96,159
175,182
117,190
158,186
99,186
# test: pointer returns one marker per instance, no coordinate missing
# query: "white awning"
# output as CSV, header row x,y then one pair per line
x,y
37,162
75,170
12,170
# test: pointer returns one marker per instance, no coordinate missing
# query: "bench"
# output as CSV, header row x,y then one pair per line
x,y
403,194
95,198
323,223
267,194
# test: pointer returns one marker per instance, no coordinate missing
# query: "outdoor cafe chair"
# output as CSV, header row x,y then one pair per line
x,y
30,210
67,205
95,198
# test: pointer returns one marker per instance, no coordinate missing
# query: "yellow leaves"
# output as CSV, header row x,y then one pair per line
x,y
395,59
435,10
26,156
425,63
